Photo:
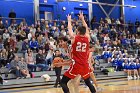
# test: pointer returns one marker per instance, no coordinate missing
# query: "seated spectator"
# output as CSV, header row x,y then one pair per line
x,y
49,56
1,28
11,55
38,32
1,43
5,34
40,61
63,31
22,34
33,30
4,55
124,42
6,24
31,62
30,35
98,48
138,30
12,42
14,68
56,33
25,46
33,44
106,38
23,68
11,29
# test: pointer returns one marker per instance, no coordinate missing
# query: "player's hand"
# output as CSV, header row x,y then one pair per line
x,y
69,17
92,69
81,16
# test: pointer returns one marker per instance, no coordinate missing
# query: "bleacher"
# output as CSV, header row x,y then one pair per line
x,y
11,82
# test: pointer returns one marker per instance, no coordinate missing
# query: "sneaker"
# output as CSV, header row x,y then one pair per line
x,y
128,77
55,86
135,77
138,77
131,77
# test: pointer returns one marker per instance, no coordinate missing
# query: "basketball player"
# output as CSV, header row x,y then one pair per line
x,y
80,49
91,62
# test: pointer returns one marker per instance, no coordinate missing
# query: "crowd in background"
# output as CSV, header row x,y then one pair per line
x,y
37,42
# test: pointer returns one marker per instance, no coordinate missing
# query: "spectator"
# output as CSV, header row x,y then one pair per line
x,y
1,28
137,23
30,35
6,24
33,29
98,47
6,35
49,56
23,68
1,43
138,30
33,44
11,29
14,68
56,33
38,32
31,62
4,55
40,61
11,55
22,34
25,46
106,38
63,31
57,67
12,14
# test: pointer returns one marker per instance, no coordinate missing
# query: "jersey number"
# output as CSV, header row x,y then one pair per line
x,y
81,47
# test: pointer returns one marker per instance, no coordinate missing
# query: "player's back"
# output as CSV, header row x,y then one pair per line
x,y
80,49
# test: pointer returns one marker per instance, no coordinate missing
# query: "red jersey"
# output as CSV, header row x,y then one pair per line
x,y
80,50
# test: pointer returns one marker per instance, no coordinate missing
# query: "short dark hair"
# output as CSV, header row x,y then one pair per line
x,y
81,30
65,39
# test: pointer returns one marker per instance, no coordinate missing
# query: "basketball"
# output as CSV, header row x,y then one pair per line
x,y
57,60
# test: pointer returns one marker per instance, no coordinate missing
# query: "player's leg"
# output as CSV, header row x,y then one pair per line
x,y
74,84
64,82
91,87
92,76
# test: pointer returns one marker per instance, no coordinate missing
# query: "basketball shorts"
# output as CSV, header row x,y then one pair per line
x,y
77,69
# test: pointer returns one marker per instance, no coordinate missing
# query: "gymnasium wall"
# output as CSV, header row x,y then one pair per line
x,y
56,8
22,9
100,14
132,13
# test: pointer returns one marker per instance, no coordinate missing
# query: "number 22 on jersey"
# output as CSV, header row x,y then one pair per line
x,y
81,47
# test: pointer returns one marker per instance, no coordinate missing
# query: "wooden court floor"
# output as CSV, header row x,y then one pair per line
x,y
110,86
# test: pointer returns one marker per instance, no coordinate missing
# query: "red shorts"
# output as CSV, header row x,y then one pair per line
x,y
76,69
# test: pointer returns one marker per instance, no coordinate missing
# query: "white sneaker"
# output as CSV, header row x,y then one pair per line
x,y
131,77
128,77
138,77
135,77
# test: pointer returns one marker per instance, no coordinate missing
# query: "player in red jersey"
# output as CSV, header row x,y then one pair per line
x,y
79,55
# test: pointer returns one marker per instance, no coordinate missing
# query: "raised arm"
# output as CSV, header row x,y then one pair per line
x,y
70,27
81,17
